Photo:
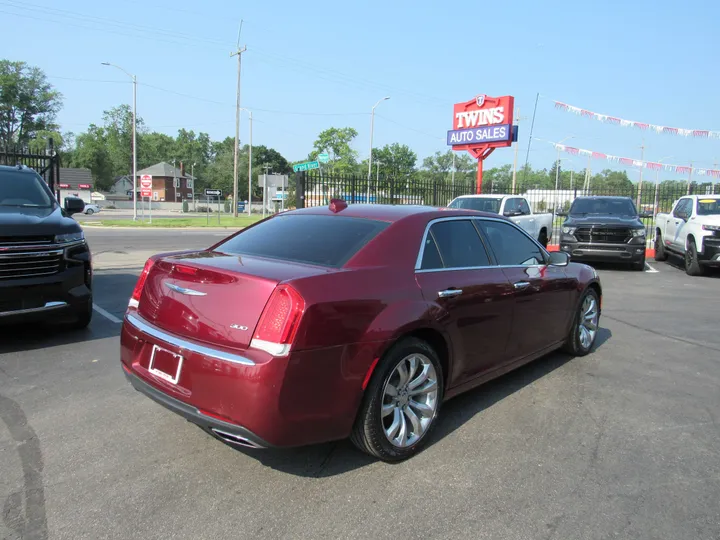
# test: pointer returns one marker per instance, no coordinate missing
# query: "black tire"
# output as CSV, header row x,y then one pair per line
x,y
543,239
573,344
83,316
692,265
660,252
90,212
639,266
368,433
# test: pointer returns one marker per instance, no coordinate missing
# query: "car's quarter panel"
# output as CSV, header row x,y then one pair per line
x,y
478,321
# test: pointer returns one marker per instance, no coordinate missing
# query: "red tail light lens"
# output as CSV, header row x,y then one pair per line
x,y
135,298
279,321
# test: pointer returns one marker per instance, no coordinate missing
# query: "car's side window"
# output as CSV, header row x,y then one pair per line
x,y
431,256
682,207
511,205
458,245
511,246
524,207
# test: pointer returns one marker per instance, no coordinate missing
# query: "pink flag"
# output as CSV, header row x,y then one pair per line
x,y
626,161
714,173
701,133
613,120
571,150
589,114
654,166
560,105
599,155
640,125
671,130
683,170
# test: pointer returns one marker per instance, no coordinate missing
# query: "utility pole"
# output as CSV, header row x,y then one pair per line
x,y
518,118
452,180
238,53
266,167
642,164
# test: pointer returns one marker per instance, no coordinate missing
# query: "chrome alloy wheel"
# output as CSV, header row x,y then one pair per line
x,y
410,400
589,316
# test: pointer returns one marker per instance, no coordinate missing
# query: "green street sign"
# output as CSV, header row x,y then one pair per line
x,y
308,165
324,157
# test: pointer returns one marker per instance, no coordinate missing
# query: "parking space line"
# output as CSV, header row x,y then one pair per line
x,y
650,269
109,316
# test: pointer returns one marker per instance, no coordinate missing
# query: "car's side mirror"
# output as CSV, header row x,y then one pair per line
x,y
559,258
646,215
561,214
74,205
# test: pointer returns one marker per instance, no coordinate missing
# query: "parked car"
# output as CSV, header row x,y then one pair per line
x,y
539,226
604,229
45,263
692,230
322,323
91,209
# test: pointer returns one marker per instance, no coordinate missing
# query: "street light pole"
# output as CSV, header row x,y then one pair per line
x,y
134,135
372,129
557,167
237,127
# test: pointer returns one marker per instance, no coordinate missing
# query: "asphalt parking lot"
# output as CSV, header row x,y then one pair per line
x,y
624,443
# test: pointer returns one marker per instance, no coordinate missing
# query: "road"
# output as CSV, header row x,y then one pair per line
x,y
623,443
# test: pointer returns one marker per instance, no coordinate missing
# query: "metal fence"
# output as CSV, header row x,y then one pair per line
x,y
424,188
47,164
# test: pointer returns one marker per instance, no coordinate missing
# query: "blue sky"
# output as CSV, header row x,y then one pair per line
x,y
650,61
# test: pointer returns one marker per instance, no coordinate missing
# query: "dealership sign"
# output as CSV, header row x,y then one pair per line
x,y
483,122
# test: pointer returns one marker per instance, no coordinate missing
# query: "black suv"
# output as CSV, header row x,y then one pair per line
x,y
604,229
45,263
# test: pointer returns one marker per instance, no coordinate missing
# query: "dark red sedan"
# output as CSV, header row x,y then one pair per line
x,y
359,321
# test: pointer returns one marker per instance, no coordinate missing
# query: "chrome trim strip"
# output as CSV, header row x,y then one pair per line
x,y
47,307
140,324
183,290
46,247
31,254
418,261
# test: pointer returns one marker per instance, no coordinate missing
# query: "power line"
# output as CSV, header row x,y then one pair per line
x,y
409,128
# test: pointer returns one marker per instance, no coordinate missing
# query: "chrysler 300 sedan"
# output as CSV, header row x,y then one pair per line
x,y
349,321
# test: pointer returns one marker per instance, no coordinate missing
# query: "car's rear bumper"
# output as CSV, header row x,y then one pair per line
x,y
307,397
585,252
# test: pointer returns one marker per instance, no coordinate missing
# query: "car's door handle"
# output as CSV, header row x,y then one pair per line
x,y
521,284
532,219
449,293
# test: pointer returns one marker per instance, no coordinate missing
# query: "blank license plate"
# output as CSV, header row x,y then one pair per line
x,y
165,364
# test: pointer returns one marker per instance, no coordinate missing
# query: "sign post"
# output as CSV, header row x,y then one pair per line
x,y
480,126
146,190
212,193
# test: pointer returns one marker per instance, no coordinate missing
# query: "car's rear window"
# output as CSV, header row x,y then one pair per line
x,y
311,239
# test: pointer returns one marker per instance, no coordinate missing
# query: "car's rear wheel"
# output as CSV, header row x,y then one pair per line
x,y
692,265
660,253
585,326
401,402
90,212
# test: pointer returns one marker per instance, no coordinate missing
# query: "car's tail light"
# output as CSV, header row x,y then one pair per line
x,y
279,321
135,298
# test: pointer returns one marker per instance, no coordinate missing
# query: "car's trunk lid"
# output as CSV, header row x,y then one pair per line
x,y
213,297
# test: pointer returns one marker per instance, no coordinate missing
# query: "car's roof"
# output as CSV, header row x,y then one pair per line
x,y
389,213
604,197
15,168
486,196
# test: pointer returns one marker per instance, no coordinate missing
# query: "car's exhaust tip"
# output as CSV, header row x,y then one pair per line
x,y
234,439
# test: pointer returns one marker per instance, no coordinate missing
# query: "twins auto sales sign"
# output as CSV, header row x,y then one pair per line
x,y
483,122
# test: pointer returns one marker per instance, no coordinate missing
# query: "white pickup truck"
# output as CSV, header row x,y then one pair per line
x,y
516,208
691,229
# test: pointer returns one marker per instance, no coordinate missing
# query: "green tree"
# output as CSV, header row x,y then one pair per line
x,y
41,142
28,103
336,141
91,152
